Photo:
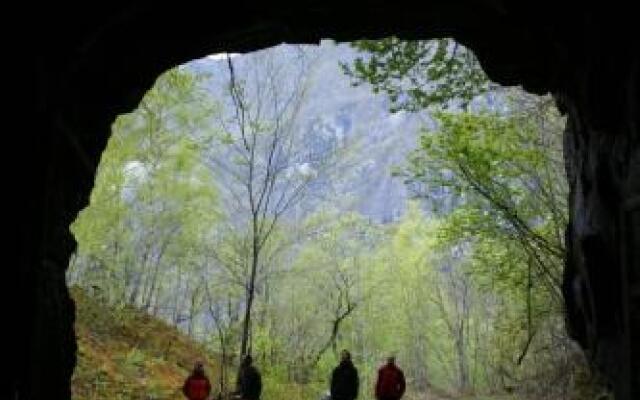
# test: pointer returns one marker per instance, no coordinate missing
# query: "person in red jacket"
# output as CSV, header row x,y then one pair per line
x,y
197,385
390,384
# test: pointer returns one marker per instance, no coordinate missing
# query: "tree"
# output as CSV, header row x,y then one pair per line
x,y
153,203
328,267
505,171
267,174
494,174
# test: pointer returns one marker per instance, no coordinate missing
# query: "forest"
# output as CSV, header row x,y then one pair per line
x,y
381,196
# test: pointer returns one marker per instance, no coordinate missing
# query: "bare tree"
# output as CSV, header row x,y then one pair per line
x,y
343,307
264,170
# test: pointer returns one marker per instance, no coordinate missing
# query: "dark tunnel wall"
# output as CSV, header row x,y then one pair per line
x,y
81,66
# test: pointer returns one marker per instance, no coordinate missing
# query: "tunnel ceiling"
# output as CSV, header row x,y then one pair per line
x,y
108,55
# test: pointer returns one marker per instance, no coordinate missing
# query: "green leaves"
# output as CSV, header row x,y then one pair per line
x,y
153,202
502,180
418,74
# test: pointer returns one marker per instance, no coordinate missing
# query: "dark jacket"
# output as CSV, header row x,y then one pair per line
x,y
344,382
390,384
250,383
196,387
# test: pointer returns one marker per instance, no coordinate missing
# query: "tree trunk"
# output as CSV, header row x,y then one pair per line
x,y
250,291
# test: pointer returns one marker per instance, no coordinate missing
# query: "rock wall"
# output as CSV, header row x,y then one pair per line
x,y
602,272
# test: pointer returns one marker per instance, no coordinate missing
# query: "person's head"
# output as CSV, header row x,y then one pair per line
x,y
198,367
391,359
247,360
345,355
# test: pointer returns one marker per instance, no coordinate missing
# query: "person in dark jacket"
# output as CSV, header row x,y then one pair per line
x,y
344,380
197,385
390,384
249,380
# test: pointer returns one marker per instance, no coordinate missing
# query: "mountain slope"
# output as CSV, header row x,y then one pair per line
x,y
128,354
334,114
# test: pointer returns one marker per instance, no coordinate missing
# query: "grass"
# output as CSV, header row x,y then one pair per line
x,y
127,354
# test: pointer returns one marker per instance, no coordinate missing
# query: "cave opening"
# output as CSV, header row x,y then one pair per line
x,y
284,203
96,62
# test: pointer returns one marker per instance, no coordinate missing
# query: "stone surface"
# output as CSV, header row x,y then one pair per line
x,y
74,68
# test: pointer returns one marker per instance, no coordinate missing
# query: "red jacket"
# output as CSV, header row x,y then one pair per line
x,y
390,384
196,387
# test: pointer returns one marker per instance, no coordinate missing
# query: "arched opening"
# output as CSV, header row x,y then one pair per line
x,y
261,204
97,61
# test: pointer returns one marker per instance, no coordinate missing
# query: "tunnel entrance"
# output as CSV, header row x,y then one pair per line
x,y
98,60
262,204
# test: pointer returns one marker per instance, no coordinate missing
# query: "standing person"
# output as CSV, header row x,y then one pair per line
x,y
249,380
344,380
197,385
390,384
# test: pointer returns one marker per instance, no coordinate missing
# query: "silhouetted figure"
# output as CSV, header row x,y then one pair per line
x,y
249,380
197,385
344,380
390,384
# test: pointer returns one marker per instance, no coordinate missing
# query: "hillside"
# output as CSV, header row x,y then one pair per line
x,y
128,354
